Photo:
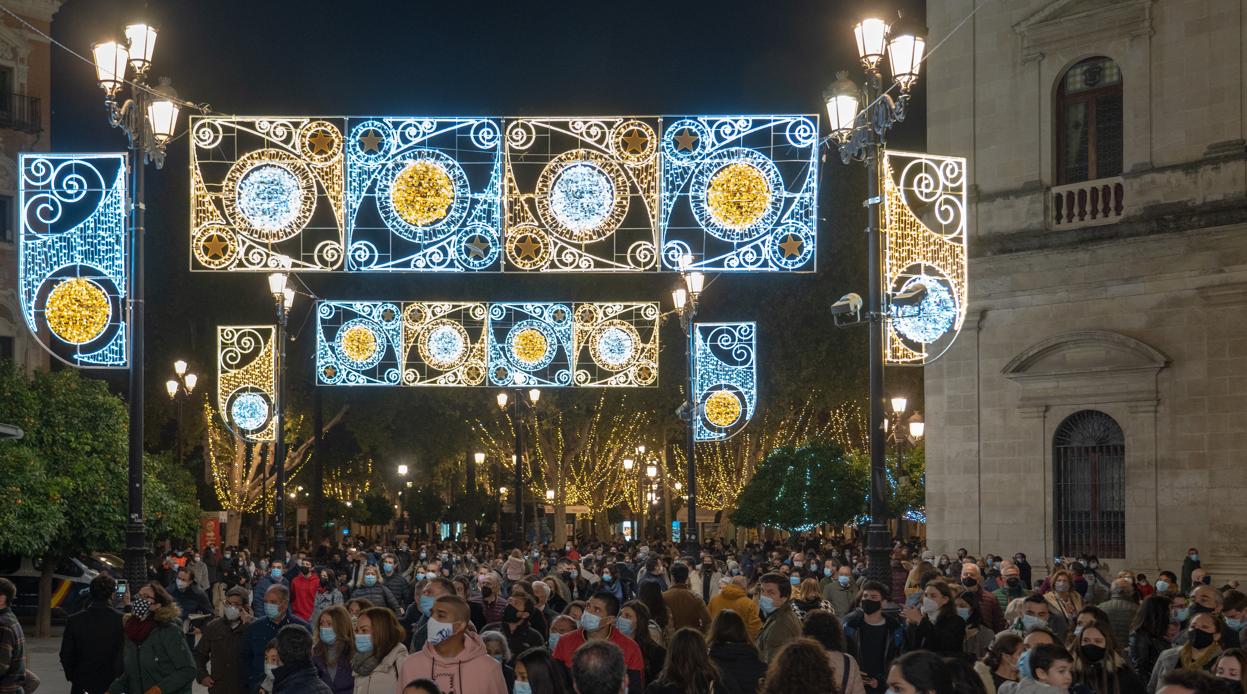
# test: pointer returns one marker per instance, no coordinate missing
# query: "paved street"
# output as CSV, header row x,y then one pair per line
x,y
44,662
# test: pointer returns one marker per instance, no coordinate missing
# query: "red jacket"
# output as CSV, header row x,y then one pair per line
x,y
303,589
633,660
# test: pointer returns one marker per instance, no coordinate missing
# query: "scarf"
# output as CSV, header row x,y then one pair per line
x,y
364,663
139,629
1189,662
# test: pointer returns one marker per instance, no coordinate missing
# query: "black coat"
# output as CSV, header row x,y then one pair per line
x,y
740,667
299,678
946,636
91,648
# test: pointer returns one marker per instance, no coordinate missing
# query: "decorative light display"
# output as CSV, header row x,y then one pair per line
x,y
358,343
725,379
924,236
478,344
72,256
739,194
266,191
581,195
424,194
247,380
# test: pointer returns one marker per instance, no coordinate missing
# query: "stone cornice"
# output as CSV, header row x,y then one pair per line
x,y
1075,24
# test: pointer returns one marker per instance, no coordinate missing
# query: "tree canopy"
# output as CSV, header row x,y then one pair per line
x,y
798,488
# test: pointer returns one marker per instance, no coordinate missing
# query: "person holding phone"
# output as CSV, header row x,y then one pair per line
x,y
92,641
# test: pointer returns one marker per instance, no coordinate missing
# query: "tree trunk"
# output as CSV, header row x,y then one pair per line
x,y
233,528
602,525
43,617
560,524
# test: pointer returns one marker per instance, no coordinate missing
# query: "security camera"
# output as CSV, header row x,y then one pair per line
x,y
912,296
848,310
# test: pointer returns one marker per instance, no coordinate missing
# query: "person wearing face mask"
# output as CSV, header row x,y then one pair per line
x,y
841,591
877,637
1062,599
155,656
274,575
1189,564
192,602
221,645
453,656
635,623
734,595
334,649
1147,635
93,639
1099,665
490,599
935,625
497,648
780,624
683,605
516,625
1043,669
1206,599
295,673
395,580
1013,588
418,613
277,614
1234,610
304,584
379,652
989,606
705,579
537,673
598,624
1200,652
609,581
1167,583
1000,664
373,589
327,593
1232,670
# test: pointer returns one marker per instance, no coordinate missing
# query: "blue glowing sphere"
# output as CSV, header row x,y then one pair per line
x,y
582,197
270,197
615,347
250,411
445,345
932,318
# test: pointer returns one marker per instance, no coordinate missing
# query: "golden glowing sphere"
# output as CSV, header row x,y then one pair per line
x,y
529,346
422,193
77,311
738,195
723,408
359,343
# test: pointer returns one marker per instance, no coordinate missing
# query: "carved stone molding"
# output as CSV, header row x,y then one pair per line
x,y
1071,24
1086,368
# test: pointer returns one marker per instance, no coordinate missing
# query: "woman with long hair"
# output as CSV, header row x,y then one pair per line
x,y
733,652
935,626
379,642
1099,665
154,651
1232,669
1000,663
801,667
535,673
1063,599
920,672
824,627
635,623
978,638
1147,634
688,669
808,597
1200,652
334,648
650,593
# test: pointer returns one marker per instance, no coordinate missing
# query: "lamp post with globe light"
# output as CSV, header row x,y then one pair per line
x,y
685,297
518,407
148,115
860,136
283,300
179,389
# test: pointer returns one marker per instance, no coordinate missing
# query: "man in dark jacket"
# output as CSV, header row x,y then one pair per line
x,y
192,601
296,675
91,644
264,629
221,644
874,637
989,607
274,577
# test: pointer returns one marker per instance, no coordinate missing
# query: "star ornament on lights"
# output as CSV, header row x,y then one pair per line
x,y
73,267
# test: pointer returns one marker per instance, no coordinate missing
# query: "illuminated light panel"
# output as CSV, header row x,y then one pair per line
x,y
78,311
247,380
423,194
924,241
270,197
582,197
266,191
249,411
581,194
740,193
73,256
476,344
725,379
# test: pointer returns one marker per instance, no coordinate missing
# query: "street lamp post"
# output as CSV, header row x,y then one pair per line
x,y
628,465
860,136
148,117
685,298
283,299
518,405
179,389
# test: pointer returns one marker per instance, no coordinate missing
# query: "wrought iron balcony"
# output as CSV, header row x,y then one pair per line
x,y
21,112
1085,204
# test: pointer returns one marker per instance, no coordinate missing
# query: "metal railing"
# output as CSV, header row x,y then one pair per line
x,y
21,112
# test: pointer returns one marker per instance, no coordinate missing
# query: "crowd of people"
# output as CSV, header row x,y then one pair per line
x,y
606,618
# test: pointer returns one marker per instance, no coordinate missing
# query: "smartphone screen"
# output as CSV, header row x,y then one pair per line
x,y
121,587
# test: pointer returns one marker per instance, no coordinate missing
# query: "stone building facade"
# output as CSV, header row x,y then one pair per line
x,y
25,126
1096,400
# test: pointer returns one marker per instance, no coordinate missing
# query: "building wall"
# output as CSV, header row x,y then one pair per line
x,y
29,59
1138,317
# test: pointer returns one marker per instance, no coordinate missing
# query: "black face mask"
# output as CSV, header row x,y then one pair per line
x,y
1013,583
1196,608
510,615
871,606
1091,653
1206,580
969,582
486,591
1234,686
1200,639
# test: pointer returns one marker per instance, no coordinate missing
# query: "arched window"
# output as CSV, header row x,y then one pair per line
x,y
1089,122
1089,464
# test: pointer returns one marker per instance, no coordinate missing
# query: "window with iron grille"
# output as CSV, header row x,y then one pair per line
x,y
1089,122
1089,471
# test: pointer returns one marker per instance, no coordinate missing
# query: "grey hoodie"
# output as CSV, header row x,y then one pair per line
x,y
1029,686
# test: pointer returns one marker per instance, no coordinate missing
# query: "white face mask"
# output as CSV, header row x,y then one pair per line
x,y
231,613
930,606
439,631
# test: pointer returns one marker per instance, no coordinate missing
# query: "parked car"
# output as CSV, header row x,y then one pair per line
x,y
105,563
70,582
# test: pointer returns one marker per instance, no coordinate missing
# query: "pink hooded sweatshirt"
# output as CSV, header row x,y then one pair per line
x,y
473,671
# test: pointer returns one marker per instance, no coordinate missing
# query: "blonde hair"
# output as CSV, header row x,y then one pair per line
x,y
810,591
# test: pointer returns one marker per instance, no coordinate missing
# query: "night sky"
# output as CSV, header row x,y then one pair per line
x,y
485,58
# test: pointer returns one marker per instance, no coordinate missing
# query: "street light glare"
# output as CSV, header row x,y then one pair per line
x,y
277,284
190,380
402,469
172,387
142,40
872,35
479,458
679,297
502,400
534,395
629,463
179,367
110,65
898,404
696,282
